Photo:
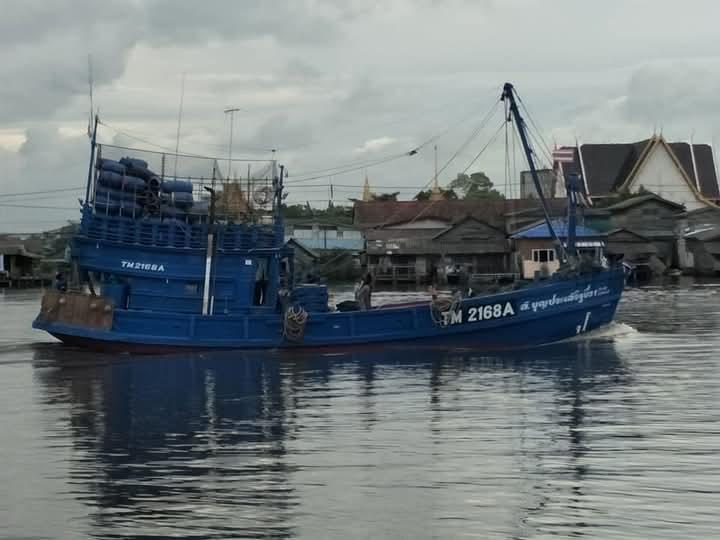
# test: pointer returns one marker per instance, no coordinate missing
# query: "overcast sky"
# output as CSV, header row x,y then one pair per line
x,y
332,82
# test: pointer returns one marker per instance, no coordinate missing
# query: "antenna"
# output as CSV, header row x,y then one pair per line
x,y
180,111
179,124
90,87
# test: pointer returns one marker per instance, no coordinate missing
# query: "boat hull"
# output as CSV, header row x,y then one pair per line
x,y
538,314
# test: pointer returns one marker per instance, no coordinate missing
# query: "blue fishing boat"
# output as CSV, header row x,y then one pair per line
x,y
169,262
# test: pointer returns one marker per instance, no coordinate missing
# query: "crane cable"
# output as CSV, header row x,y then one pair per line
x,y
462,147
477,156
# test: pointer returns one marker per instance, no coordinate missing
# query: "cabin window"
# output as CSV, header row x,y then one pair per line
x,y
543,255
339,234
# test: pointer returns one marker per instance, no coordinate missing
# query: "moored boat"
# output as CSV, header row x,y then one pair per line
x,y
164,262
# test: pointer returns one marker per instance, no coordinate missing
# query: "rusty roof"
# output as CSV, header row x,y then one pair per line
x,y
490,211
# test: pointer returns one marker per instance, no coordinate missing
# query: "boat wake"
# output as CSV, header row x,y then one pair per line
x,y
613,330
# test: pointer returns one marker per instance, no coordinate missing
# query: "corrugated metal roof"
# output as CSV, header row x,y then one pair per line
x,y
491,211
17,249
560,225
640,199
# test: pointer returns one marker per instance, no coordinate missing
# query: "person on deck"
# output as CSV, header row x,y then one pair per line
x,y
60,282
363,295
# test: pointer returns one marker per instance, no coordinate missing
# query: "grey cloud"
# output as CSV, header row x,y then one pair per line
x,y
672,92
31,21
184,21
45,160
299,69
43,69
282,133
43,59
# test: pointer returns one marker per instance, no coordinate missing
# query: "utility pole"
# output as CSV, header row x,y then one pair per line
x,y
232,111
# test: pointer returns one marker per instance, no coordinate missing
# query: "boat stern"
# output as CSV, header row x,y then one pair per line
x,y
74,309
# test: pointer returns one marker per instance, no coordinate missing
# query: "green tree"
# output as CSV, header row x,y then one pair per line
x,y
475,186
386,196
448,194
333,213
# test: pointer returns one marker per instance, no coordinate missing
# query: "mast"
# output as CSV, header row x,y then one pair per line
x,y
572,189
93,144
278,180
509,95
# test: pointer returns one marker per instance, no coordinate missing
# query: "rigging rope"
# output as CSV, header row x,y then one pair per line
x,y
41,207
465,144
506,188
492,140
328,170
514,159
386,159
441,306
372,162
532,122
44,192
294,323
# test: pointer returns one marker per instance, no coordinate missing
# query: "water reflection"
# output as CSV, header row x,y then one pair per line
x,y
257,444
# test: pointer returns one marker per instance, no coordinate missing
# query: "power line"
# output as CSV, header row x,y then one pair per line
x,y
359,163
357,168
5,205
43,192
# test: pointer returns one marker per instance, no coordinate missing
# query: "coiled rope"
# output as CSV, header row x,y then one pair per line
x,y
294,323
439,306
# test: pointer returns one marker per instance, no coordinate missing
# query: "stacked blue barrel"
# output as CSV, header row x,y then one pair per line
x,y
129,188
118,192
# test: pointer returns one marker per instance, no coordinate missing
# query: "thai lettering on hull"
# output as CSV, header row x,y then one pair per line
x,y
135,265
575,297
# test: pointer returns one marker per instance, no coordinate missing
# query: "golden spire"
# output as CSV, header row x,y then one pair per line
x,y
366,196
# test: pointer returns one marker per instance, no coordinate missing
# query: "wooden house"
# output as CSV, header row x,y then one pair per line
x,y
18,267
324,235
645,230
405,215
425,254
535,247
418,241
304,259
703,251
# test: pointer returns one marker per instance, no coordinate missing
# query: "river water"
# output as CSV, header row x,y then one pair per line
x,y
613,436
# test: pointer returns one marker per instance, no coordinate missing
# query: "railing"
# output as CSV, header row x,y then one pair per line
x,y
172,233
355,244
397,273
499,276
426,246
